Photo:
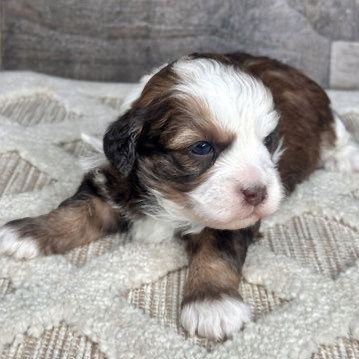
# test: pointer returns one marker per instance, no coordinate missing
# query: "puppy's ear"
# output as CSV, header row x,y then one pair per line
x,y
120,141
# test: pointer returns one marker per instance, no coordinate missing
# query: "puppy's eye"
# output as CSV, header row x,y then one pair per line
x,y
268,141
202,148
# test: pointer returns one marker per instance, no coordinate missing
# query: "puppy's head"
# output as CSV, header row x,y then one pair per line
x,y
202,141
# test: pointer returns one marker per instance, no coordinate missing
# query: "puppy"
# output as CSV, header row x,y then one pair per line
x,y
208,146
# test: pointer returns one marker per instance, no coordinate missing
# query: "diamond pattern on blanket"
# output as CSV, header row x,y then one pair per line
x,y
18,175
260,300
313,242
54,343
92,281
82,255
345,348
33,110
162,300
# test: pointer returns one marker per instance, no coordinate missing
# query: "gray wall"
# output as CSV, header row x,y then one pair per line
x,y
118,40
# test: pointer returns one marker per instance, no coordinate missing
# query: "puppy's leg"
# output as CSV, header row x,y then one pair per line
x,y
343,154
81,219
212,306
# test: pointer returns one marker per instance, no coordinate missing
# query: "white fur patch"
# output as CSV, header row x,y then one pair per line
x,y
151,230
344,156
215,319
237,101
171,214
20,248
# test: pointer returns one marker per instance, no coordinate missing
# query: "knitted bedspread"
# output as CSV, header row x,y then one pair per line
x,y
116,299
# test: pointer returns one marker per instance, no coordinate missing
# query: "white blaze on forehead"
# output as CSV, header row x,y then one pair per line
x,y
238,102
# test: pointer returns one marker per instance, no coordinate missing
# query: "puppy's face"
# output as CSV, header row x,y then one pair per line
x,y
202,140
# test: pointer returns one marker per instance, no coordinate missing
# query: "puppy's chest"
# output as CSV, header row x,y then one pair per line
x,y
151,230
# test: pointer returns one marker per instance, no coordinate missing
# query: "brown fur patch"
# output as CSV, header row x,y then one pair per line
x,y
75,224
158,87
216,261
194,122
209,274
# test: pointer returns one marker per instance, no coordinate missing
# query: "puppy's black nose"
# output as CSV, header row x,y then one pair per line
x,y
255,195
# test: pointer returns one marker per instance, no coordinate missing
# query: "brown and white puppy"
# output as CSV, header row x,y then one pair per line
x,y
209,145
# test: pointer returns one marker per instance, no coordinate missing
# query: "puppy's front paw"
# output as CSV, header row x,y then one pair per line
x,y
14,243
215,319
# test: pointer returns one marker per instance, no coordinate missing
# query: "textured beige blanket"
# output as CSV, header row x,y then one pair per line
x,y
122,300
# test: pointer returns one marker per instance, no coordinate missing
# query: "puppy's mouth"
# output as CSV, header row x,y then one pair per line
x,y
236,222
248,218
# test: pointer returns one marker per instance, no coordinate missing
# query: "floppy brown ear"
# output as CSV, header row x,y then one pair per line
x,y
120,141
